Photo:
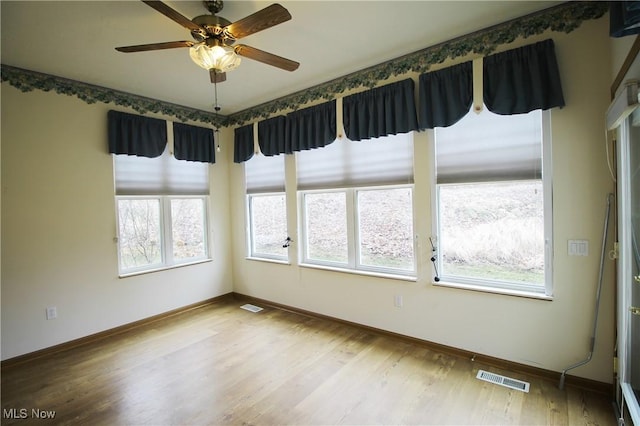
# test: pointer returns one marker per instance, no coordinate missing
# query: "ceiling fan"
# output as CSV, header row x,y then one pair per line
x,y
214,37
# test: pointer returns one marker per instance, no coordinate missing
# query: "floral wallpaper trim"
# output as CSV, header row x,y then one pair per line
x,y
562,18
26,81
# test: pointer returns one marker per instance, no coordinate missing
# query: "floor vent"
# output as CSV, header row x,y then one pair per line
x,y
503,381
251,308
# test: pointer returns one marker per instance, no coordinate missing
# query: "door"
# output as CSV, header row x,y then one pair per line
x,y
629,264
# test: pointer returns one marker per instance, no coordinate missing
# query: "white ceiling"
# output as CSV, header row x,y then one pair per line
x,y
76,40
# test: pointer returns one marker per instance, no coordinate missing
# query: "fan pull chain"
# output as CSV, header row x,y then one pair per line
x,y
216,108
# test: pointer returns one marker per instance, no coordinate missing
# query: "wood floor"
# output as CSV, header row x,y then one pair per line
x,y
220,364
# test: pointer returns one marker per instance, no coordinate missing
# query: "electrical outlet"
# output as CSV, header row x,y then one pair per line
x,y
397,301
52,312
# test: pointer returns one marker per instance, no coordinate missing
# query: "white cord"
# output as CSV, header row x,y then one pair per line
x,y
621,419
606,145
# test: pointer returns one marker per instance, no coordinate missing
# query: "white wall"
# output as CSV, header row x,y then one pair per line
x,y
58,229
620,47
547,334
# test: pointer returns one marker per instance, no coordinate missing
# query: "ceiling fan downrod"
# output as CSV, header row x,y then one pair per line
x,y
213,6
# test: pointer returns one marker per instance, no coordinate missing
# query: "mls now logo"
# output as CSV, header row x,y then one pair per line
x,y
15,413
23,413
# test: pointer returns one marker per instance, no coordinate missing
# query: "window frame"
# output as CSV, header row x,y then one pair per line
x,y
166,234
249,229
498,286
354,263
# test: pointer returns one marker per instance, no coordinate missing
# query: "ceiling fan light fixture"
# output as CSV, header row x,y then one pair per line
x,y
217,57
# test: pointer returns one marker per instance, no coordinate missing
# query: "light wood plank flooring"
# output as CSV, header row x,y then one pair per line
x,y
219,364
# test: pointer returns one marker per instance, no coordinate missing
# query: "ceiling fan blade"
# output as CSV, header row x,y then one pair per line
x,y
155,46
266,57
175,16
217,77
261,20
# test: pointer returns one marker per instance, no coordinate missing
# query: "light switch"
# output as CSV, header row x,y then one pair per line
x,y
578,248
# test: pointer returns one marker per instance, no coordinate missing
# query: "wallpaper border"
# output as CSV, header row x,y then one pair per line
x,y
27,80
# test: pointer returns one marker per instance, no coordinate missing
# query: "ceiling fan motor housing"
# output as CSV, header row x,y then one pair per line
x,y
214,26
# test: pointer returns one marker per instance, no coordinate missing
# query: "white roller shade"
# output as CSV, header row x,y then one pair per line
x,y
163,175
380,161
489,147
264,174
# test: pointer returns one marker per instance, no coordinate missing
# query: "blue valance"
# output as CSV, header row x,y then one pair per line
x,y
445,96
243,143
193,143
385,110
524,79
311,128
308,128
272,135
136,135
515,82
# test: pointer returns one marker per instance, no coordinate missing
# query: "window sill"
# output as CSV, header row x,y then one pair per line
x,y
268,260
163,268
494,290
361,272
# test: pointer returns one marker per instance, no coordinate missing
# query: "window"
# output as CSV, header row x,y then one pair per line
x,y
140,233
161,211
187,226
326,228
493,221
356,205
367,229
266,208
385,228
268,226
160,231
